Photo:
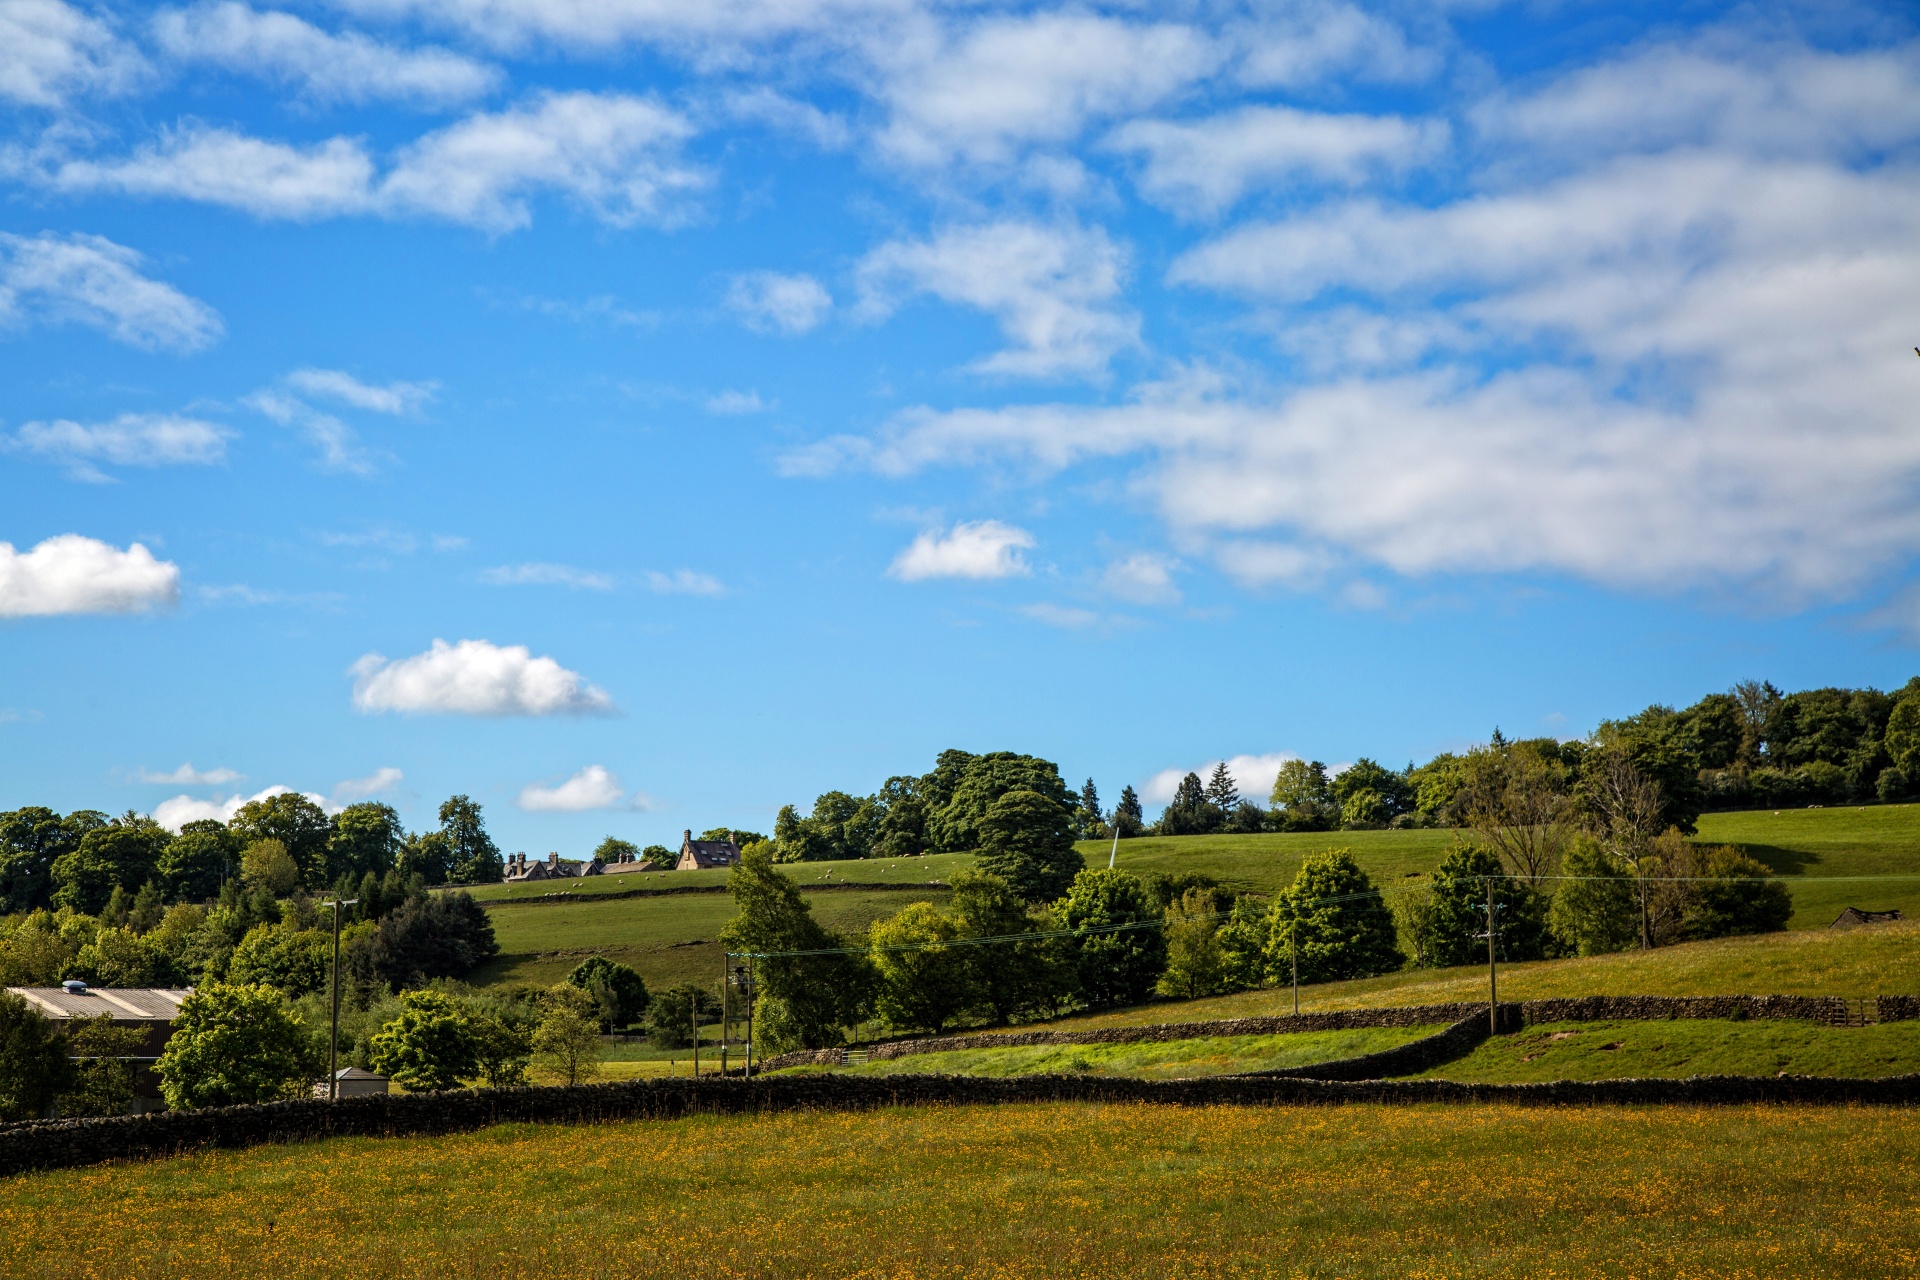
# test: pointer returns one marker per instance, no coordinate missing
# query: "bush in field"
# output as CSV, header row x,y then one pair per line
x,y
1335,916
34,1066
1595,910
235,1044
1115,937
431,1045
619,992
925,981
566,1040
1457,927
1194,963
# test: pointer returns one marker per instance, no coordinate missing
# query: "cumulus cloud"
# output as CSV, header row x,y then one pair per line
x,y
591,788
131,440
769,302
615,154
180,810
546,575
991,87
474,678
1252,775
75,574
971,549
82,279
1143,578
51,51
188,776
350,67
379,782
1203,167
1053,289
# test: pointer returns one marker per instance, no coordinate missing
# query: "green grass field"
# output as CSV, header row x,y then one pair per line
x,y
1683,1047
1057,1191
1169,1060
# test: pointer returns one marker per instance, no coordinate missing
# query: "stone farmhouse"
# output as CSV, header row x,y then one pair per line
x,y
699,855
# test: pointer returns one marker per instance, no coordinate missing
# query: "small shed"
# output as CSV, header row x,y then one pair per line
x,y
355,1082
1854,918
701,855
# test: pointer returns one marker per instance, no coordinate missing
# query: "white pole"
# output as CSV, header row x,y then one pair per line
x,y
1115,851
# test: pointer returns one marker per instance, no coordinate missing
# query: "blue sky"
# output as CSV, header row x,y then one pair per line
x,y
641,415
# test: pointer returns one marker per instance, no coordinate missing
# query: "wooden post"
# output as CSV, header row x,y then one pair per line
x,y
693,1016
725,1013
1293,945
751,992
1493,976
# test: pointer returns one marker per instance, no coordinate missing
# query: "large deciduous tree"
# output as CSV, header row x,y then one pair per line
x,y
956,827
472,856
1026,838
235,1044
366,838
121,854
34,1066
204,856
1114,936
1334,916
810,986
925,981
31,841
296,822
1457,922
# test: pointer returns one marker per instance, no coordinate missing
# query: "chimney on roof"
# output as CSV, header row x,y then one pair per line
x,y
553,859
687,835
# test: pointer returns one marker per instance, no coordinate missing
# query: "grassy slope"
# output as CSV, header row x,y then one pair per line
x,y
1173,1059
1611,1050
1021,1191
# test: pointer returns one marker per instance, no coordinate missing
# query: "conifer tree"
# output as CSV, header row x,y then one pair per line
x,y
1127,815
1090,815
1222,794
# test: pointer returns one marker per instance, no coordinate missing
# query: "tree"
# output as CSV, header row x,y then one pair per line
x,y
500,1048
1128,817
613,849
1628,807
1010,978
1520,803
1303,794
121,854
1026,839
297,823
1594,911
1386,793
1189,813
671,1016
1242,941
291,960
198,861
34,1066
103,1071
1457,928
1736,895
1222,792
1194,962
430,1045
957,827
1088,818
1115,937
1335,916
232,1045
566,1040
429,855
924,981
444,936
617,990
146,909
472,856
31,841
813,993
119,958
903,828
367,839
266,864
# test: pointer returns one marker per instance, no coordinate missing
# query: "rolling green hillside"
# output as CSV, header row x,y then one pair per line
x,y
664,924
1684,1047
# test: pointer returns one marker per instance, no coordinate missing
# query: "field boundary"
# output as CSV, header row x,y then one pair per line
x,y
71,1143
1827,1009
567,897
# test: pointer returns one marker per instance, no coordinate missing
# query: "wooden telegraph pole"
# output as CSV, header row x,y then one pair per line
x,y
726,1015
333,1035
1493,975
1293,945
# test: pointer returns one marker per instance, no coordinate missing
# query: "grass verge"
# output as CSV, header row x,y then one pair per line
x,y
1686,1047
1060,1190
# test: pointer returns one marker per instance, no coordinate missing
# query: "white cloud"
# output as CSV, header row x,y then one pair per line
x,y
684,582
1252,775
1002,83
338,444
1066,617
379,782
75,574
714,27
736,403
1300,44
188,776
1255,563
1143,578
769,302
93,281
972,549
50,51
1054,290
546,575
616,154
332,68
332,384
131,440
1205,166
179,811
474,678
591,788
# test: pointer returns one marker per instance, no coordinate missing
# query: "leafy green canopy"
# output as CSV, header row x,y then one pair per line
x,y
235,1044
1334,916
1113,965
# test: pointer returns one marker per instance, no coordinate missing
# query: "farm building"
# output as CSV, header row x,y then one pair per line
x,y
355,1082
520,871
152,1009
699,855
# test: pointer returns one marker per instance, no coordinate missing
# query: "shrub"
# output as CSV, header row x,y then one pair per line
x,y
34,1066
292,961
235,1044
566,1041
1739,896
1194,966
1595,909
925,982
1343,928
1457,928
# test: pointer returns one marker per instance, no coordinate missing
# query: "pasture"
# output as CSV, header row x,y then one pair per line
x,y
1057,1190
1687,1047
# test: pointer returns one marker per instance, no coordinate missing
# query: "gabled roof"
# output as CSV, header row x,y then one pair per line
x,y
711,853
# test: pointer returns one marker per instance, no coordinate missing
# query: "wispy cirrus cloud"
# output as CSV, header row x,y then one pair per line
x,y
91,281
130,440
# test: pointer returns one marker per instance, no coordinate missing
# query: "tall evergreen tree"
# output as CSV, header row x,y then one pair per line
x,y
1090,817
1127,815
1222,794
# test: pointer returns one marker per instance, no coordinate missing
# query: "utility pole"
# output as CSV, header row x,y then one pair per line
x,y
1293,946
1493,976
333,1035
1115,851
749,995
693,1016
725,1013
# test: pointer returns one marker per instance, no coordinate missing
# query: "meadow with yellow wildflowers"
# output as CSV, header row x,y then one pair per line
x,y
1060,1190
